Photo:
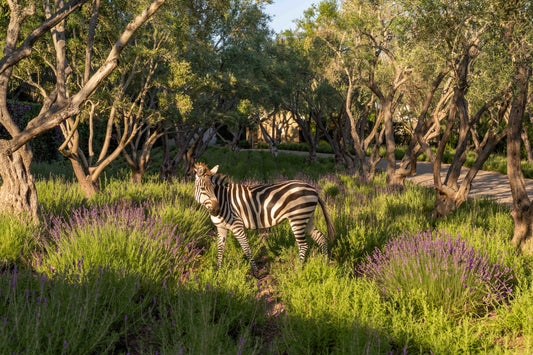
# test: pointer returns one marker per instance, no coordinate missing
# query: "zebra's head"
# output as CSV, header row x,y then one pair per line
x,y
204,189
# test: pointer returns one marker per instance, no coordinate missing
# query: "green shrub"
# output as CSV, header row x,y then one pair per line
x,y
215,312
516,320
17,240
41,315
123,238
328,312
451,274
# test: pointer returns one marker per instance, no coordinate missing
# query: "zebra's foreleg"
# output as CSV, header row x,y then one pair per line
x,y
241,238
221,244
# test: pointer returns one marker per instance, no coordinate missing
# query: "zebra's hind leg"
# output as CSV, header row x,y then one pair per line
x,y
298,228
241,238
321,241
317,236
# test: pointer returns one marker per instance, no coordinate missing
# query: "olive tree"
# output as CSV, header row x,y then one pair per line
x,y
469,92
515,19
18,193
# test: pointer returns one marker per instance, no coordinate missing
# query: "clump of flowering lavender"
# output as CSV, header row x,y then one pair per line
x,y
445,270
123,237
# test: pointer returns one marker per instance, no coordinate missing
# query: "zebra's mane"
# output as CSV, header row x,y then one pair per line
x,y
221,180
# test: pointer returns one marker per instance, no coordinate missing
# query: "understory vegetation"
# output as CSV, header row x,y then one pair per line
x,y
133,270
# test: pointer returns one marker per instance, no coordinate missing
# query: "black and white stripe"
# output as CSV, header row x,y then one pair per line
x,y
238,207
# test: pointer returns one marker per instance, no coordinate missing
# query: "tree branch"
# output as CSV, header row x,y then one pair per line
x,y
58,113
25,49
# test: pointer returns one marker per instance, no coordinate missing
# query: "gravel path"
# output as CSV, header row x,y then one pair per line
x,y
486,183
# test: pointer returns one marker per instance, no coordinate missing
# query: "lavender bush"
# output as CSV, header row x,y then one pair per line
x,y
450,273
123,237
40,315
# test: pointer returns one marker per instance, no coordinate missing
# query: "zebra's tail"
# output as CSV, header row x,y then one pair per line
x,y
329,222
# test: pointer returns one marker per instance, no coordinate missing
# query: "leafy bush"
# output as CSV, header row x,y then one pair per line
x,y
450,273
121,237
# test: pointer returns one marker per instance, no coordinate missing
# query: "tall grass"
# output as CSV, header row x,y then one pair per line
x,y
54,316
133,270
327,311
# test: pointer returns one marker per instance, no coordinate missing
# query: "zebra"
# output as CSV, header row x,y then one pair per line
x,y
236,207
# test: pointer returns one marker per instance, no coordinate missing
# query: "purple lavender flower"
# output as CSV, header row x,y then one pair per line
x,y
448,271
160,241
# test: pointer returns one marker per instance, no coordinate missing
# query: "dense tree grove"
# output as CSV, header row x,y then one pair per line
x,y
362,75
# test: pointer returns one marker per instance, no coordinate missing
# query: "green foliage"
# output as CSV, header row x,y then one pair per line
x,y
215,312
17,240
415,326
54,316
58,195
122,238
366,215
327,311
515,320
262,166
430,265
108,295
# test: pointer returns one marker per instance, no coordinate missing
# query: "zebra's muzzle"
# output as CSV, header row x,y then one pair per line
x,y
214,208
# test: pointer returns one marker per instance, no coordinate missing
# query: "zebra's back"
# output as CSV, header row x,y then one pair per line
x,y
264,206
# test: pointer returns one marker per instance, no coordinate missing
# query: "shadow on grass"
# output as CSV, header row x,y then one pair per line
x,y
112,312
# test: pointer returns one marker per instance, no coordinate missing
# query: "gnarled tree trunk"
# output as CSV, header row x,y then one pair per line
x,y
18,194
89,186
522,207
407,166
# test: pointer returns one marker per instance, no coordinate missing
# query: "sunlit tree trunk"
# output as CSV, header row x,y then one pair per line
x,y
522,207
18,194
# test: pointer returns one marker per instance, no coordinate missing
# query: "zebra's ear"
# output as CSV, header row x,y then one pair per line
x,y
214,170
